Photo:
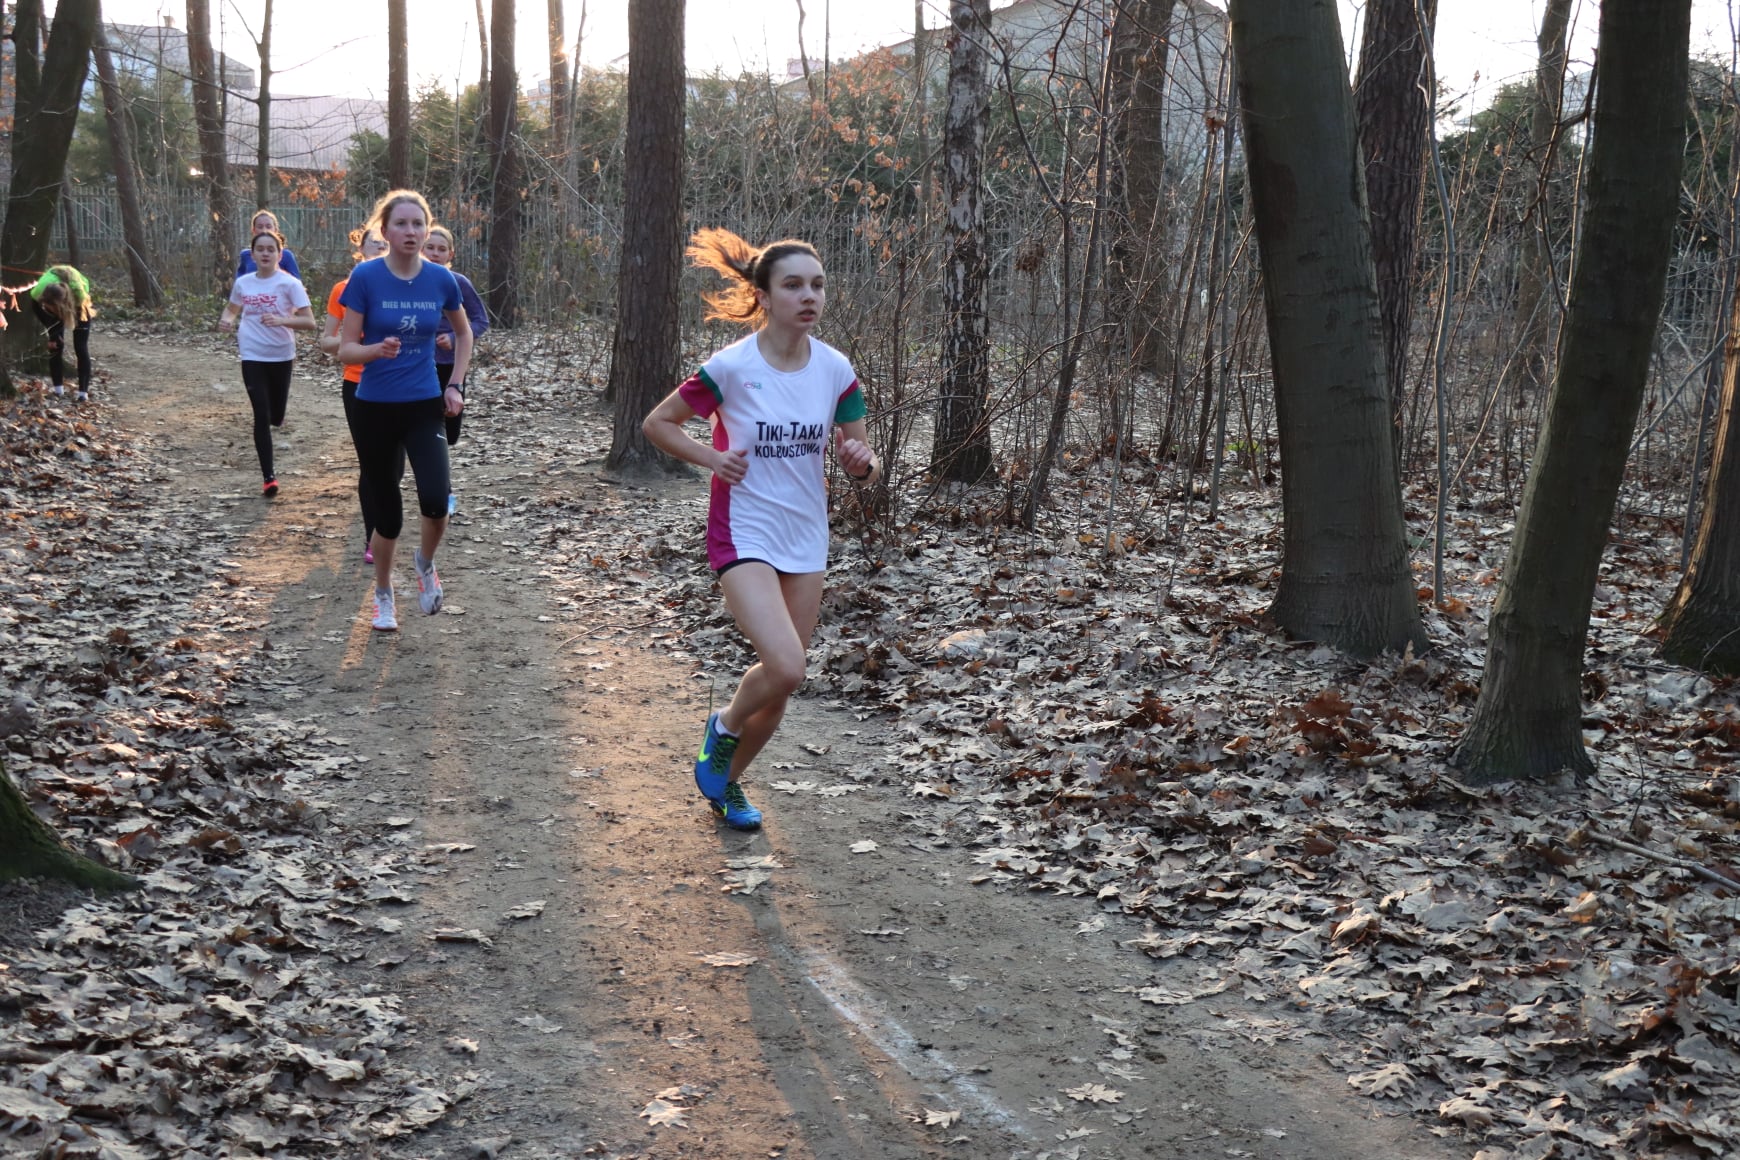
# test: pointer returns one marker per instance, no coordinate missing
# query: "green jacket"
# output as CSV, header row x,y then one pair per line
x,y
75,282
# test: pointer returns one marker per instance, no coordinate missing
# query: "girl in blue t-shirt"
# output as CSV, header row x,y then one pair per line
x,y
266,221
392,307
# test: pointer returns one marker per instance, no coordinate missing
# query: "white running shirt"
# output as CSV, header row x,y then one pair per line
x,y
785,419
258,297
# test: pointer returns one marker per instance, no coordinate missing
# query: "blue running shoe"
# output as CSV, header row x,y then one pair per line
x,y
713,763
736,810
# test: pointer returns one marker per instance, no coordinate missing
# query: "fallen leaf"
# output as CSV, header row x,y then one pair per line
x,y
663,1114
1094,1093
526,910
863,846
727,959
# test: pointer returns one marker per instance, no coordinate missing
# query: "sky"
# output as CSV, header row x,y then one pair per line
x,y
321,47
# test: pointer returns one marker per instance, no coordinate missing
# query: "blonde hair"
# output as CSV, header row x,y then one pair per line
x,y
444,232
264,213
384,208
360,235
748,269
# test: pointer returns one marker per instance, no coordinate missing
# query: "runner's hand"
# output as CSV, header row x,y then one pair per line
x,y
732,466
389,346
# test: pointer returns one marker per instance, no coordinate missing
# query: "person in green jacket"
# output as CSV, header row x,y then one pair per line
x,y
62,301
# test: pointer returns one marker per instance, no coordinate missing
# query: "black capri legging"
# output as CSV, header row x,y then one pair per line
x,y
268,386
57,341
444,372
364,498
388,434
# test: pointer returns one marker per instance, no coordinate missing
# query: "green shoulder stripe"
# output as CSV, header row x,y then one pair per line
x,y
851,406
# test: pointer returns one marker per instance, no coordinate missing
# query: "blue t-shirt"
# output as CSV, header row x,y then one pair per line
x,y
409,308
245,264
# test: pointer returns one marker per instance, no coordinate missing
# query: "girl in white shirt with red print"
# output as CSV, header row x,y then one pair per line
x,y
775,399
270,304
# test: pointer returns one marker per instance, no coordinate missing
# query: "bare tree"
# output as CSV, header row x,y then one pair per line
x,y
398,96
146,290
1527,723
504,157
483,65
1345,578
213,161
1137,259
263,143
1394,114
559,98
1536,302
961,448
45,114
644,352
1701,626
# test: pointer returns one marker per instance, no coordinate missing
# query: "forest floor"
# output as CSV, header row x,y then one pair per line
x,y
1061,861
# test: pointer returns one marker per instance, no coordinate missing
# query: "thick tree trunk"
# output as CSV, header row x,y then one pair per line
x,y
1701,626
1393,113
961,449
1527,721
1345,578
644,353
146,290
263,145
504,156
208,112
1137,260
398,96
1536,305
29,849
47,111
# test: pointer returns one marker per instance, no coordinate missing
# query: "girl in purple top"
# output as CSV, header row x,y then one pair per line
x,y
439,249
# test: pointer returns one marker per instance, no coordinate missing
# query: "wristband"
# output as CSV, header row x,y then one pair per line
x,y
866,475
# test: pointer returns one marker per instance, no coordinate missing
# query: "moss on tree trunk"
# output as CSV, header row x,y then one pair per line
x,y
29,849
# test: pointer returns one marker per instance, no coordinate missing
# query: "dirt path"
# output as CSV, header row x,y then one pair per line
x,y
533,745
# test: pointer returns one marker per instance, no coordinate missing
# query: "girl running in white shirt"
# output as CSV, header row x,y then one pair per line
x,y
774,399
270,304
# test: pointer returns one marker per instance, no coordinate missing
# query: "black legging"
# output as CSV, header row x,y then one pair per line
x,y
268,386
363,497
57,340
386,435
444,371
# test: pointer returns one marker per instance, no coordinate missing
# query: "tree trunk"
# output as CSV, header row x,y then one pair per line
x,y
208,112
1527,721
961,449
1345,578
645,351
146,290
43,128
1393,113
1137,277
1701,626
559,108
263,146
1535,302
398,96
29,849
504,156
69,224
483,68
